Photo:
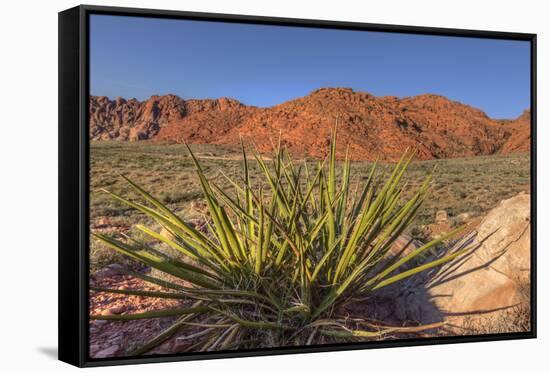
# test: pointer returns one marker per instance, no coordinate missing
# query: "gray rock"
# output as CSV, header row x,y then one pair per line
x,y
108,271
107,352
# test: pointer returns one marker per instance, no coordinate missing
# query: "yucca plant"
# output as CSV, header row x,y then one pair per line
x,y
280,258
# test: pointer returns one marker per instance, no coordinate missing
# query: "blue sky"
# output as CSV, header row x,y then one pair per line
x,y
267,65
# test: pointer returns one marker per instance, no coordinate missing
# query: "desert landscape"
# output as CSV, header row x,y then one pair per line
x,y
462,203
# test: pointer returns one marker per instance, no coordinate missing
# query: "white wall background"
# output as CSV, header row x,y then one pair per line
x,y
28,184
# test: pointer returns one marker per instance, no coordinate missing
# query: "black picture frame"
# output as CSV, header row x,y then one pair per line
x,y
74,182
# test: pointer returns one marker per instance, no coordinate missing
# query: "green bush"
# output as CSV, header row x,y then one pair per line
x,y
280,258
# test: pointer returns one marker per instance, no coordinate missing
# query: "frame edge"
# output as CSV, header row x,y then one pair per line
x,y
69,248
73,140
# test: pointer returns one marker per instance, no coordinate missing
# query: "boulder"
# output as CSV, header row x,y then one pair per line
x,y
490,277
479,288
507,231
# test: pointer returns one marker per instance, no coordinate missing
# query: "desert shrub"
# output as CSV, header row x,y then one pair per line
x,y
280,258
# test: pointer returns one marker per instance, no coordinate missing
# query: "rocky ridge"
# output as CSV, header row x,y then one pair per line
x,y
372,127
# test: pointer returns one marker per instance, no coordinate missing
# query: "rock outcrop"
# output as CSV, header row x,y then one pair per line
x,y
133,120
520,139
479,290
372,127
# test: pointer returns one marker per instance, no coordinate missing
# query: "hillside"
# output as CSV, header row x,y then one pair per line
x,y
372,127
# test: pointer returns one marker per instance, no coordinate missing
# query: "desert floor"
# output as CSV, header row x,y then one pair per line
x,y
464,191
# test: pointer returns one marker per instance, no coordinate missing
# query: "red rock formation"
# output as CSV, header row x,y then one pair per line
x,y
372,127
520,140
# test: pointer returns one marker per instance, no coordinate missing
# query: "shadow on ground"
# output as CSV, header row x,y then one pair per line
x,y
50,352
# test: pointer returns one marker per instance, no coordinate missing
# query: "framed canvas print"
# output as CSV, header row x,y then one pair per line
x,y
235,186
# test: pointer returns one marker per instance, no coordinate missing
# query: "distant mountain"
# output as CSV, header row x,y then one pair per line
x,y
520,140
372,127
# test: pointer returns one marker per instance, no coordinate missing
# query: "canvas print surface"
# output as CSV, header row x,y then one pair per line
x,y
261,186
